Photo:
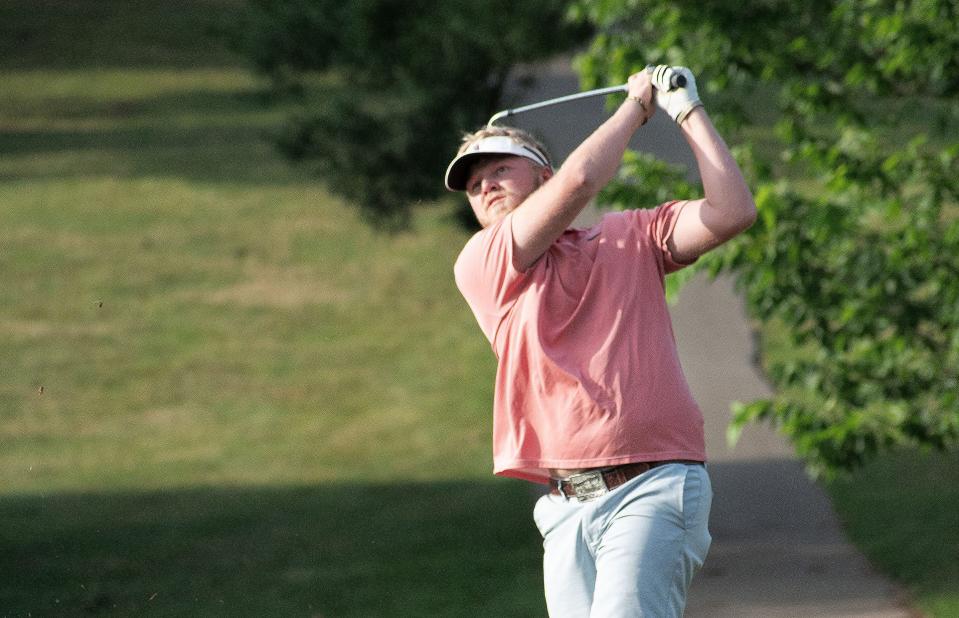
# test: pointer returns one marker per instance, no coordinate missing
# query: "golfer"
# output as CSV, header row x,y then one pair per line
x,y
590,397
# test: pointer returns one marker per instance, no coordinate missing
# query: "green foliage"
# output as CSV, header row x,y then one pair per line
x,y
644,179
388,85
861,268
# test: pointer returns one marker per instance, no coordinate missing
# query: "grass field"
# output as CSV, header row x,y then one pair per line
x,y
901,511
220,392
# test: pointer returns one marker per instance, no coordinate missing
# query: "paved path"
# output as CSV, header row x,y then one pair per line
x,y
777,549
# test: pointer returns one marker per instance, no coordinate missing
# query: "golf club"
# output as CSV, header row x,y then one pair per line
x,y
676,80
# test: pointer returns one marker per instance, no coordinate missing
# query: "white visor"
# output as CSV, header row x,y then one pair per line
x,y
497,145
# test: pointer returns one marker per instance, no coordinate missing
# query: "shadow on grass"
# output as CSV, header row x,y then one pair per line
x,y
196,135
445,549
109,33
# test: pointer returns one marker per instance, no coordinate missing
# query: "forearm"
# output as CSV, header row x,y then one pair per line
x,y
594,163
550,210
724,188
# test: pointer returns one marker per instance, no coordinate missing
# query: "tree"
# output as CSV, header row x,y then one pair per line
x,y
389,85
856,251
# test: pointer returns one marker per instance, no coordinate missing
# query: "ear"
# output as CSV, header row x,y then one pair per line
x,y
545,173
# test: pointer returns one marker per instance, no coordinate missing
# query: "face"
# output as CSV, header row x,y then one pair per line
x,y
498,185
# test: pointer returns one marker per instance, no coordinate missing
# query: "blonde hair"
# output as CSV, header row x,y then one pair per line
x,y
517,135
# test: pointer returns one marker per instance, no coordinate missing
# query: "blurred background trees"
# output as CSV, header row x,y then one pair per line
x,y
389,86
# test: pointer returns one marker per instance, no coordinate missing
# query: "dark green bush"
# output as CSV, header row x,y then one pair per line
x,y
388,86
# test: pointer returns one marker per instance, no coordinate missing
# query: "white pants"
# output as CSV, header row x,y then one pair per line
x,y
631,552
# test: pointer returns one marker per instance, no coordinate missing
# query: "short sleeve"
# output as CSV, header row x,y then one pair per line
x,y
486,277
661,227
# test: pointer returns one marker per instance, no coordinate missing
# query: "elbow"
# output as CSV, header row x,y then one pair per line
x,y
741,211
749,213
742,220
579,182
732,217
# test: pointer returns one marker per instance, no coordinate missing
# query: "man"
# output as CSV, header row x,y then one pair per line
x,y
590,397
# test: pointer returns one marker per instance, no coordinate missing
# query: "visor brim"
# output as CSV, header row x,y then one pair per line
x,y
458,170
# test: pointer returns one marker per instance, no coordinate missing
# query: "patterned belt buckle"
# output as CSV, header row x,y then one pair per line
x,y
588,485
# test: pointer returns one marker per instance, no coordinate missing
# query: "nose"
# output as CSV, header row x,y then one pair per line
x,y
488,185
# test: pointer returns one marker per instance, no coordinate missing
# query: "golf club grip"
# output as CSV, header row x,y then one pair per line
x,y
676,79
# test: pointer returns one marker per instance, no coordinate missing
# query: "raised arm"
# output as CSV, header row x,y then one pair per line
x,y
548,211
727,207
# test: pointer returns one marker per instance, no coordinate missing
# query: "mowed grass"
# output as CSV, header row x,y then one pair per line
x,y
188,281
356,550
901,511
221,393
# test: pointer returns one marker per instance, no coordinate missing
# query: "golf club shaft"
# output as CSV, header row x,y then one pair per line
x,y
676,80
570,97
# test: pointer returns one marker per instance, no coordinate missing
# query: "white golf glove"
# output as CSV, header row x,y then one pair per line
x,y
680,102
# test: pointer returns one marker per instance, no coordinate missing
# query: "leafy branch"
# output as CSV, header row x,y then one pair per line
x,y
858,266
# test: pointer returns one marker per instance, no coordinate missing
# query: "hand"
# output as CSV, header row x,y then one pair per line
x,y
678,103
640,90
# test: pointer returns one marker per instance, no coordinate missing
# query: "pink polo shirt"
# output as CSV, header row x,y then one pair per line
x,y
588,373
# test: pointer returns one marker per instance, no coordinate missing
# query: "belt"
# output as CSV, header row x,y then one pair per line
x,y
594,483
